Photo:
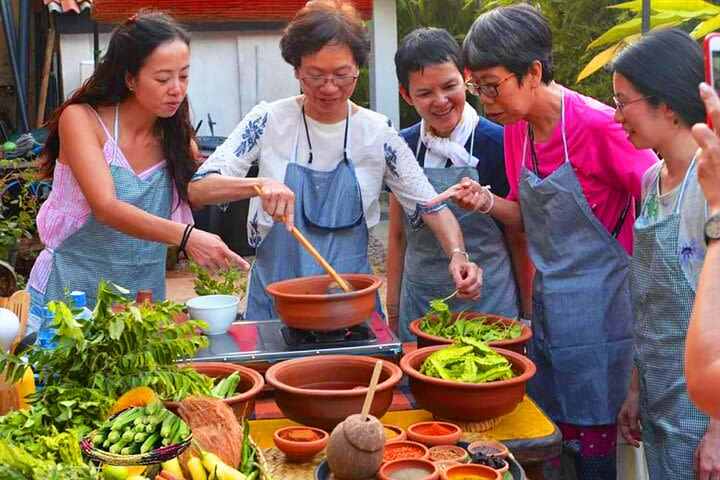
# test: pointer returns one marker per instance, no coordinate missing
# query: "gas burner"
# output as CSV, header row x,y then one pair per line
x,y
360,334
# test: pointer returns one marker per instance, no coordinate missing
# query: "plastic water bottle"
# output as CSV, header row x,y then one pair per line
x,y
79,301
46,334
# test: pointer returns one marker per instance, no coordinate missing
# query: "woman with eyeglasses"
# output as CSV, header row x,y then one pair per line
x,y
322,163
573,178
656,92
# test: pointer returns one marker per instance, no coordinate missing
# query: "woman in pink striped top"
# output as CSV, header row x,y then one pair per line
x,y
121,154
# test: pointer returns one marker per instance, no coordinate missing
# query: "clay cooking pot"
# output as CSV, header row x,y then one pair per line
x,y
303,304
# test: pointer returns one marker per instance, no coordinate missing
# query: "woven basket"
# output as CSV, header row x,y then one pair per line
x,y
159,455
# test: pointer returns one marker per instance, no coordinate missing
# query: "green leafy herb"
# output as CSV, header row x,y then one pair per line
x,y
229,281
469,361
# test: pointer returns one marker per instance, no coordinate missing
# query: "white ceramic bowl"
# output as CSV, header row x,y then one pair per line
x,y
218,311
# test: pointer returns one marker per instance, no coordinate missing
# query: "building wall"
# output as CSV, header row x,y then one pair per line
x,y
231,71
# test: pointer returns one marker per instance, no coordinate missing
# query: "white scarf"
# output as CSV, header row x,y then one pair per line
x,y
439,149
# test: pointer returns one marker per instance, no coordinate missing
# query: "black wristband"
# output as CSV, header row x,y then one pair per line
x,y
185,238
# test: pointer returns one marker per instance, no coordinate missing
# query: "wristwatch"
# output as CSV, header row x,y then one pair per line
x,y
712,228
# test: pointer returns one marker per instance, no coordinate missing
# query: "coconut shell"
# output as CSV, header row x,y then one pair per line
x,y
215,428
355,449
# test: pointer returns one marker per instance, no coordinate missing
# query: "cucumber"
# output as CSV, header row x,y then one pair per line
x,y
128,436
140,437
168,425
116,447
182,432
124,420
150,428
131,449
113,436
99,438
158,418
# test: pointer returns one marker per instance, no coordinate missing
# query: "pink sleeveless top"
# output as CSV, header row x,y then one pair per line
x,y
66,209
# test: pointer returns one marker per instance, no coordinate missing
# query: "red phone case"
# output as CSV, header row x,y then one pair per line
x,y
708,64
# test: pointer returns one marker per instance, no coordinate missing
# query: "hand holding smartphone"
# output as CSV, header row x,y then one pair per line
x,y
712,64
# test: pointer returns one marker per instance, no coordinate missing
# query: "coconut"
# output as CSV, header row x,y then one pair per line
x,y
355,449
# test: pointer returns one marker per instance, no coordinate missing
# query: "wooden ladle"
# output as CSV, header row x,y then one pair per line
x,y
371,390
316,255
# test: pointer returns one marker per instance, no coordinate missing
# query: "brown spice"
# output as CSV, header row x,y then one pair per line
x,y
300,435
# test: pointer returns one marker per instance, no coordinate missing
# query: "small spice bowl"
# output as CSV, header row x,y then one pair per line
x,y
445,464
300,444
489,448
414,468
404,449
393,433
479,472
440,453
435,433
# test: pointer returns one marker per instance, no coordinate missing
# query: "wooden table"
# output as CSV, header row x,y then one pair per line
x,y
529,434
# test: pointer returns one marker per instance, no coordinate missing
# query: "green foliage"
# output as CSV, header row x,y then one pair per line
x,y
17,212
123,346
468,360
231,281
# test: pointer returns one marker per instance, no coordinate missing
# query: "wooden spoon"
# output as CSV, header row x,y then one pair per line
x,y
316,255
371,390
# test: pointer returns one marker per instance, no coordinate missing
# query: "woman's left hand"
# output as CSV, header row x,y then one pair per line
x,y
707,456
467,277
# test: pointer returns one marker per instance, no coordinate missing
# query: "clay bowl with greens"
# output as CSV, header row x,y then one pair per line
x,y
467,381
495,330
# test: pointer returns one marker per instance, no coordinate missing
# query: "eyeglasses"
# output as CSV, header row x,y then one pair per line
x,y
316,81
490,90
621,105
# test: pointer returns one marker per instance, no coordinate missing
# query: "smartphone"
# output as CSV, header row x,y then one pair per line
x,y
712,63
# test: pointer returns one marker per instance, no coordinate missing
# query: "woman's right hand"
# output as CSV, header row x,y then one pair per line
x,y
629,418
209,251
278,201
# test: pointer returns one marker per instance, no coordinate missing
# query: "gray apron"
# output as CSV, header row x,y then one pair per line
x,y
97,251
671,426
582,312
329,212
425,273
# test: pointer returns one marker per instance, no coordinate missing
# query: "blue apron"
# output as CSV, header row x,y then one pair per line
x,y
663,298
329,212
97,251
425,273
582,312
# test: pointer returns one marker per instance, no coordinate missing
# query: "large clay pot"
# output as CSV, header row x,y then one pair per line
x,y
251,382
320,391
516,344
303,304
467,401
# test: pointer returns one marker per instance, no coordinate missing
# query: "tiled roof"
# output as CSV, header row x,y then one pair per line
x,y
113,11
63,6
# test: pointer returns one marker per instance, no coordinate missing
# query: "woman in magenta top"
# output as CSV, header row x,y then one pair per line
x,y
574,180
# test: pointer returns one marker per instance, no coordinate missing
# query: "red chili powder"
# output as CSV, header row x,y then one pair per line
x,y
402,451
301,435
434,429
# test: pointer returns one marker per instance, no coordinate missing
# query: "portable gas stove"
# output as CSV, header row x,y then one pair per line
x,y
269,341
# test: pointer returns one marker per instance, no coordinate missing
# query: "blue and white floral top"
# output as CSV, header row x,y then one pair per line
x,y
266,136
691,245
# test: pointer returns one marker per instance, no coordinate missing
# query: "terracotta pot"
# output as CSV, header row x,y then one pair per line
x,y
389,447
467,401
401,433
445,464
302,302
515,345
321,391
251,382
490,448
481,471
440,453
300,451
391,469
416,435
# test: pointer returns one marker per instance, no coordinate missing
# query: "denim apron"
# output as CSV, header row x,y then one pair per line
x,y
97,251
425,272
582,311
671,426
329,212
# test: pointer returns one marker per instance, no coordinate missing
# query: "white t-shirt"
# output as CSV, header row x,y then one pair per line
x,y
691,246
266,136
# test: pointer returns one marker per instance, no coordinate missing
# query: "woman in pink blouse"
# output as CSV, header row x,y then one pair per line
x,y
120,152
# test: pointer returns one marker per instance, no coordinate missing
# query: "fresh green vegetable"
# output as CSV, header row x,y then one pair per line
x,y
438,321
231,281
226,387
469,361
152,442
247,454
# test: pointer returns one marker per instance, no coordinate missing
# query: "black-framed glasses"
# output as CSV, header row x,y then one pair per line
x,y
490,90
316,81
621,105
